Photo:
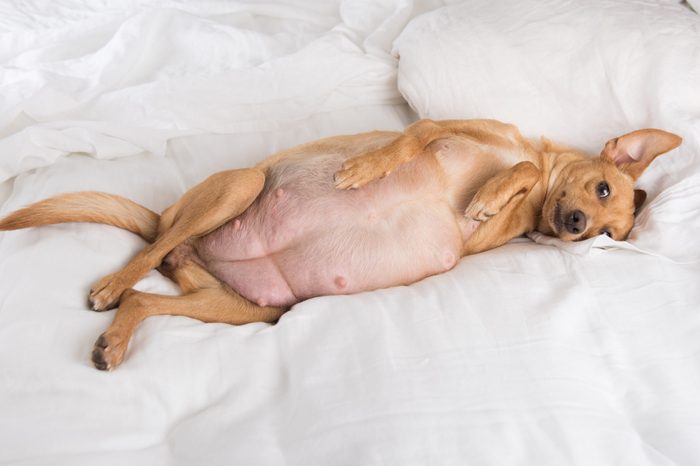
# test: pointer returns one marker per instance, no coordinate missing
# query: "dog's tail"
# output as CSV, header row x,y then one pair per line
x,y
88,206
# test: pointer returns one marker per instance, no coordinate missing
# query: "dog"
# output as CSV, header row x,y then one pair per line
x,y
352,213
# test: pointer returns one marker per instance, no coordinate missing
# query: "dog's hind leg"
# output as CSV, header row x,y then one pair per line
x,y
203,208
212,303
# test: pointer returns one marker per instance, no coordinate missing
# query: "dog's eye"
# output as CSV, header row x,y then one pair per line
x,y
606,233
603,190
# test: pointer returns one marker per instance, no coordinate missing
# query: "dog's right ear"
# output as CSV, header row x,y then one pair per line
x,y
634,151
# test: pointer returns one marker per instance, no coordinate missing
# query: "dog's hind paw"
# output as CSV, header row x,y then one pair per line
x,y
106,293
108,351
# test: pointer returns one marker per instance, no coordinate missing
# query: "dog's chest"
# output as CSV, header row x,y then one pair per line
x,y
467,164
304,238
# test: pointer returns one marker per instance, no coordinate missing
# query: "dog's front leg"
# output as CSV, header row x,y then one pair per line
x,y
508,186
360,170
500,209
378,163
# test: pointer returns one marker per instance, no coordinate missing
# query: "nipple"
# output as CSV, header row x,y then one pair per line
x,y
443,150
261,302
279,192
449,260
236,225
340,282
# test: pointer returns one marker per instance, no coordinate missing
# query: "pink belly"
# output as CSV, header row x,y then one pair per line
x,y
303,238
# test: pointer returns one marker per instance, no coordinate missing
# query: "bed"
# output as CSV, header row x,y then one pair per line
x,y
536,353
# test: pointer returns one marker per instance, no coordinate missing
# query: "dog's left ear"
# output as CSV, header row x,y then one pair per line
x,y
634,151
639,197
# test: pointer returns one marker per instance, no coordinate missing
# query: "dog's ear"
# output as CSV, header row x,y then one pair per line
x,y
639,197
634,151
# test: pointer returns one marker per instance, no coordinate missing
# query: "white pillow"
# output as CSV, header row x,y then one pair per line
x,y
576,72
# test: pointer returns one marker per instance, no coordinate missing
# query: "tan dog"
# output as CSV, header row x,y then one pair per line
x,y
245,245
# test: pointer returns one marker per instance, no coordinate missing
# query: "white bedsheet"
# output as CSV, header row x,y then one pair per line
x,y
531,354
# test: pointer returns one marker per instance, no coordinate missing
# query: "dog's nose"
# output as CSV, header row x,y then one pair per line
x,y
575,222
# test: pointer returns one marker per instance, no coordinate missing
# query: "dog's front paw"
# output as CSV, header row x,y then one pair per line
x,y
109,351
489,202
481,211
359,171
106,293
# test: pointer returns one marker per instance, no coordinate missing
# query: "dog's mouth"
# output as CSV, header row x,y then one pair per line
x,y
557,222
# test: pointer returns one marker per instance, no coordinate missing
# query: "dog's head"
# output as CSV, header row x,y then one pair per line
x,y
595,195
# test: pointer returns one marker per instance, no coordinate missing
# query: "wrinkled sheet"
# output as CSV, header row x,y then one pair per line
x,y
543,354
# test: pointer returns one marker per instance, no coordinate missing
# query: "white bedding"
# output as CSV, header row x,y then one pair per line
x,y
531,354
